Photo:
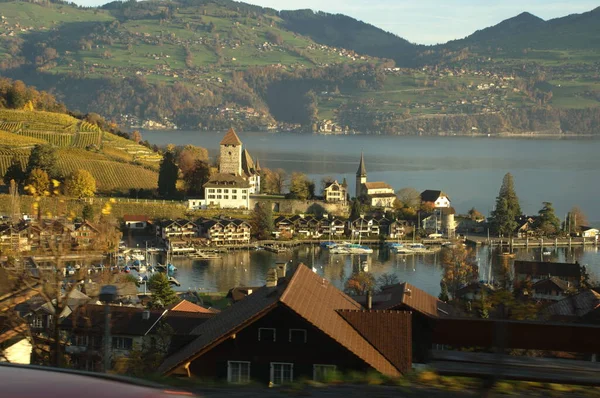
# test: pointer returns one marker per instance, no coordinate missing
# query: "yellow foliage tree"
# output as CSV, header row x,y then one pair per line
x,y
80,184
38,183
28,106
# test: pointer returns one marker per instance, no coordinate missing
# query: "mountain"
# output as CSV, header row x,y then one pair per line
x,y
215,64
342,31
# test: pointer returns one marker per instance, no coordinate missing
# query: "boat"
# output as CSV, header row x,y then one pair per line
x,y
418,247
350,248
402,250
174,281
137,255
275,249
546,252
327,244
198,254
507,254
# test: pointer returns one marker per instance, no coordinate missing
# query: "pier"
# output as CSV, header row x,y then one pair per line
x,y
531,242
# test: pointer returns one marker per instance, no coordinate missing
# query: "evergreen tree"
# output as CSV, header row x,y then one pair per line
x,y
44,157
507,208
196,177
167,175
262,221
547,223
163,294
14,172
355,209
87,213
444,296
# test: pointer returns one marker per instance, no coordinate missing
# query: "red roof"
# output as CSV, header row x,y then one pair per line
x,y
231,138
188,306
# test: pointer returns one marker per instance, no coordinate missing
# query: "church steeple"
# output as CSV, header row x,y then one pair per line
x,y
362,171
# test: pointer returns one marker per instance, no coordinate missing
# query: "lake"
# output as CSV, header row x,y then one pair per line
x,y
470,170
249,268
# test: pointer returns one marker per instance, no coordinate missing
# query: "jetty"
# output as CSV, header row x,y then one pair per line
x,y
531,242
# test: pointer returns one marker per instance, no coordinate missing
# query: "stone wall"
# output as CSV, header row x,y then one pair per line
x,y
296,206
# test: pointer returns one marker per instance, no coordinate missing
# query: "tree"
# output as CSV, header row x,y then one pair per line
x,y
356,209
87,212
262,221
409,197
14,172
38,183
299,186
44,157
387,279
163,294
475,215
80,184
444,295
427,207
136,136
325,182
167,175
576,219
460,268
507,208
360,283
547,223
189,155
274,180
196,177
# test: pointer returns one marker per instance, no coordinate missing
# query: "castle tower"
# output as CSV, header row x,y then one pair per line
x,y
230,161
361,176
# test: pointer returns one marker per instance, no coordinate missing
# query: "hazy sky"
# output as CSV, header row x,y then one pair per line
x,y
429,21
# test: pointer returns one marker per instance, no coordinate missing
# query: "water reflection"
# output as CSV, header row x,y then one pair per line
x,y
249,268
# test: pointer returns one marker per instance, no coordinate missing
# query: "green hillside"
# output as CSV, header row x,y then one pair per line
x,y
213,64
81,145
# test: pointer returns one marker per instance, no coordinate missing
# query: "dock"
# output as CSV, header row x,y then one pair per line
x,y
531,242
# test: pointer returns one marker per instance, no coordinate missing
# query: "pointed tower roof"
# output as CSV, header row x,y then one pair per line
x,y
247,163
257,166
231,138
362,171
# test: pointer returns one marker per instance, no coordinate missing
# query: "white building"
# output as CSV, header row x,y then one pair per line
x,y
438,198
237,179
376,194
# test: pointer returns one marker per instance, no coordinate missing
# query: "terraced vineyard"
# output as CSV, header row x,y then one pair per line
x,y
7,155
9,139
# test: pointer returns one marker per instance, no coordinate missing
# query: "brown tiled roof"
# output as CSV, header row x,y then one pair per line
x,y
226,180
388,331
545,269
409,296
241,292
188,306
247,163
377,185
559,283
307,294
574,306
231,138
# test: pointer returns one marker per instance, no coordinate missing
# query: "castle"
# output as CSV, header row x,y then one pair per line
x,y
238,176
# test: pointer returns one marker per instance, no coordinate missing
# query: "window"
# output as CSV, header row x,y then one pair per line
x,y
219,190
81,341
122,343
323,372
266,334
211,190
225,196
234,197
297,336
37,321
282,373
243,196
226,191
219,196
238,372
244,191
234,191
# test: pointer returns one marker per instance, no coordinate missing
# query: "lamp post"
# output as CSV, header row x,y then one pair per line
x,y
108,294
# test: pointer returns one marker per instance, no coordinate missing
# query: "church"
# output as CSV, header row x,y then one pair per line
x,y
237,179
375,194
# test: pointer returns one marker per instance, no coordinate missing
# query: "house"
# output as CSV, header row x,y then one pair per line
x,y
237,179
588,232
535,271
551,288
175,229
84,235
525,226
14,237
132,328
436,198
224,231
424,307
363,227
305,225
335,192
135,221
583,307
376,194
331,227
295,327
283,225
474,291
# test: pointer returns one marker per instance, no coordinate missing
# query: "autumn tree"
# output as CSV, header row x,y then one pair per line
x,y
547,223
136,136
14,172
80,184
189,155
44,157
475,215
163,294
299,186
409,197
167,175
38,183
576,219
360,283
273,181
262,221
503,218
325,182
460,268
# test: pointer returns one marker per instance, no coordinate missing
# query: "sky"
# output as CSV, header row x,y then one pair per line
x,y
428,21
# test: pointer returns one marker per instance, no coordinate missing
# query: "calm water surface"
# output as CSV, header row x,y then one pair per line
x,y
249,268
469,170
